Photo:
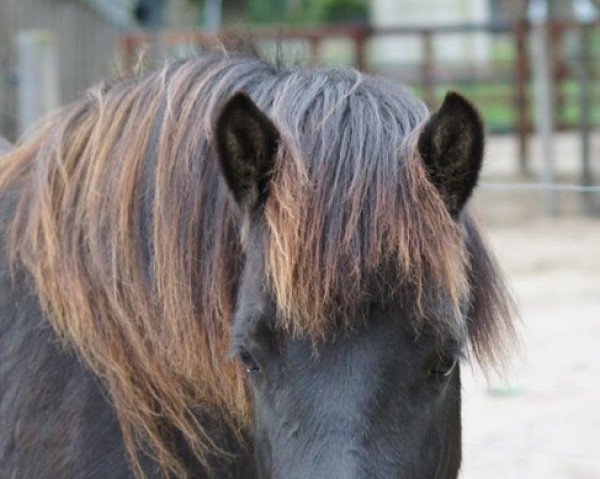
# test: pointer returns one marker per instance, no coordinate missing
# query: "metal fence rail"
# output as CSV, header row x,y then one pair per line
x,y
540,187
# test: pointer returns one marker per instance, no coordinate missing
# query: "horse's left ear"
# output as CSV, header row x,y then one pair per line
x,y
247,144
451,145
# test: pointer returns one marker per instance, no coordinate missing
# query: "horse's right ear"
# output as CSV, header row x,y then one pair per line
x,y
451,145
247,144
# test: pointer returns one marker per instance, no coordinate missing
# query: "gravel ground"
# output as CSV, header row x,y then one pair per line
x,y
542,418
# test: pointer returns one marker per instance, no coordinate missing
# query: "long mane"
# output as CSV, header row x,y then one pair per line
x,y
133,244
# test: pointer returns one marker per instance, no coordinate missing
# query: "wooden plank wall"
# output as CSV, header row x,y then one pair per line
x,y
85,42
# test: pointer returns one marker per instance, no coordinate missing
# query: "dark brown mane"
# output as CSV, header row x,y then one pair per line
x,y
132,240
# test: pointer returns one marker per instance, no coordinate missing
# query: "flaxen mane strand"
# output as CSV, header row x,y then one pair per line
x,y
131,238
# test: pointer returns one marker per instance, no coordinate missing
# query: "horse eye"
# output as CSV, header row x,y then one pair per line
x,y
248,362
444,367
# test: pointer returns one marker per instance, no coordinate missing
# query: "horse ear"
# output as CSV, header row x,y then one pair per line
x,y
246,144
451,145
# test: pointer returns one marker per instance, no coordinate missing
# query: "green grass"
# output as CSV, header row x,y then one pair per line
x,y
497,105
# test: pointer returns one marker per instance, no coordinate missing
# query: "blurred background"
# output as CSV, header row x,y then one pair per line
x,y
533,69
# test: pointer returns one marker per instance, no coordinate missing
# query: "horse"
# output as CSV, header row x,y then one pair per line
x,y
232,267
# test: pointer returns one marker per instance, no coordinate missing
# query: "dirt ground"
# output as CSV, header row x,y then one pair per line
x,y
542,419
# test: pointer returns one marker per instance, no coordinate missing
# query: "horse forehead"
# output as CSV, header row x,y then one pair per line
x,y
253,303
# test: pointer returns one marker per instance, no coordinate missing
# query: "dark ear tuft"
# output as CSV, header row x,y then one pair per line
x,y
247,144
451,145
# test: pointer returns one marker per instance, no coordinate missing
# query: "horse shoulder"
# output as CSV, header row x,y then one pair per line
x,y
55,420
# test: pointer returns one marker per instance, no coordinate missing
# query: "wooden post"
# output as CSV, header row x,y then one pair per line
x,y
360,40
213,11
558,69
585,100
38,76
128,47
427,67
521,72
586,14
543,98
313,50
4,124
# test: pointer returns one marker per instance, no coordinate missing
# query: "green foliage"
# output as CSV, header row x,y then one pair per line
x,y
266,11
308,11
343,10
